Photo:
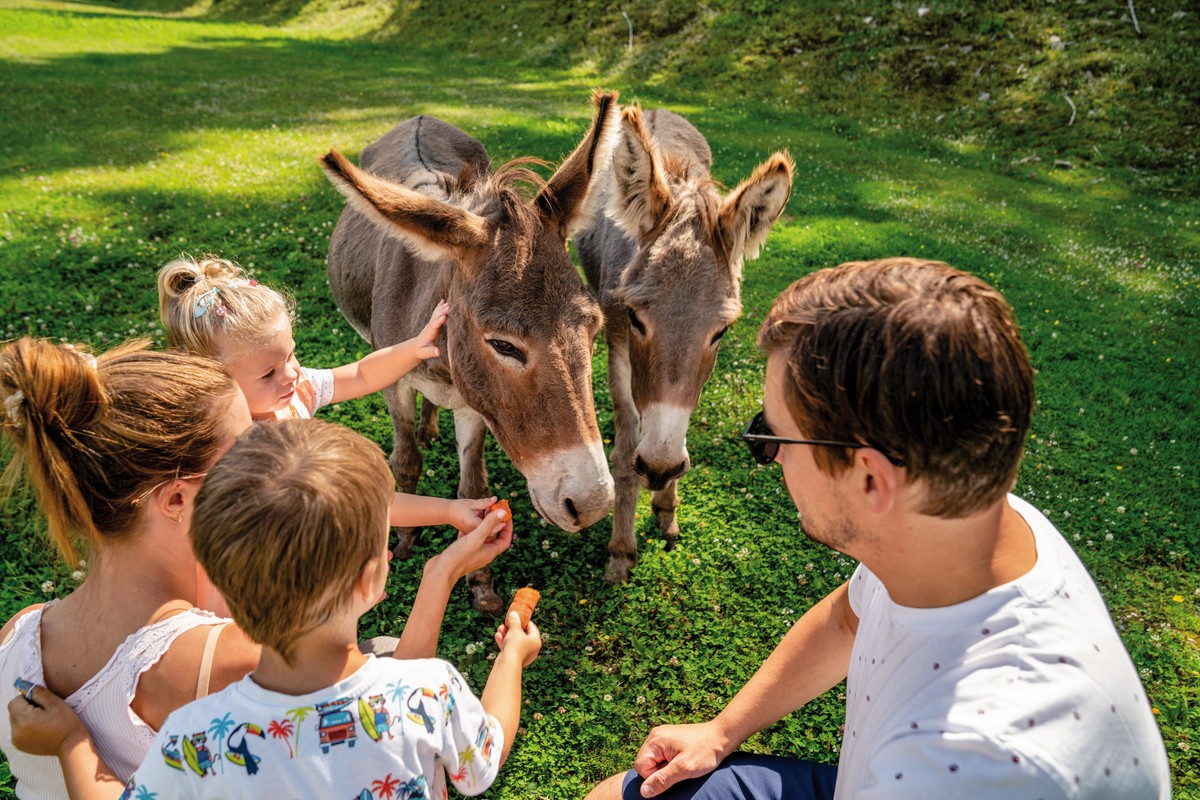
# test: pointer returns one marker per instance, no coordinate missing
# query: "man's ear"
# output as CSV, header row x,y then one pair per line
x,y
878,480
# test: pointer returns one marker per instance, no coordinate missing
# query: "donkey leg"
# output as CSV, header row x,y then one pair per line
x,y
406,455
427,429
622,548
470,433
664,502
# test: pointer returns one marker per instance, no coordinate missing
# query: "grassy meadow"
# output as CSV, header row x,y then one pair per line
x,y
132,132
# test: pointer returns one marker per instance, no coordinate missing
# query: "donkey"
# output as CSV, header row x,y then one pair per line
x,y
427,218
666,261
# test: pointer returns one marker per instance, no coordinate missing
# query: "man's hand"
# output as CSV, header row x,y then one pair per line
x,y
44,724
673,753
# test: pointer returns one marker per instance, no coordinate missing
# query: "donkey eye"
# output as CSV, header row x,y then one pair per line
x,y
717,336
635,322
507,349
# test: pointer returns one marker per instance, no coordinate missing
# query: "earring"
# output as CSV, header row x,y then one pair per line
x,y
178,517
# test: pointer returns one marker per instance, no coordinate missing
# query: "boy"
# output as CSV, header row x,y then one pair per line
x,y
291,525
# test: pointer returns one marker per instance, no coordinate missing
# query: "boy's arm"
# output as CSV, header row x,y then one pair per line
x,y
45,725
469,552
384,367
502,694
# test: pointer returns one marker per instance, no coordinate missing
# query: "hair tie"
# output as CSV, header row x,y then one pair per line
x,y
203,302
12,406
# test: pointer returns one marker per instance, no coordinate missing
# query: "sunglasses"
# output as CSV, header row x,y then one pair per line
x,y
141,498
764,444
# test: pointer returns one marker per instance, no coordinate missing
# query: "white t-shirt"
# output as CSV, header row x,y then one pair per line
x,y
393,728
313,391
1025,691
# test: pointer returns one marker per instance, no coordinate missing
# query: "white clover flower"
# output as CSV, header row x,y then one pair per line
x,y
1120,509
640,700
471,649
78,575
48,587
1108,537
608,698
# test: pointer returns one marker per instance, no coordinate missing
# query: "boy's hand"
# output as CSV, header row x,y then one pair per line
x,y
43,723
465,514
479,547
425,342
526,643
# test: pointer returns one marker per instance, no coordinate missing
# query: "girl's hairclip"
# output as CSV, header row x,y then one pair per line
x,y
203,302
253,282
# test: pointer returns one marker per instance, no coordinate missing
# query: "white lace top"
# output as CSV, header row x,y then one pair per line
x,y
121,736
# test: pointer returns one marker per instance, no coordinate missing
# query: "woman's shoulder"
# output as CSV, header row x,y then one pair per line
x,y
7,631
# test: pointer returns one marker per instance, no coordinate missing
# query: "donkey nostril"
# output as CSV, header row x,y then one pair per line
x,y
572,512
639,465
679,469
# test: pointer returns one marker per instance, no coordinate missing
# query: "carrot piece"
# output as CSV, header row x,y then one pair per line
x,y
523,603
501,504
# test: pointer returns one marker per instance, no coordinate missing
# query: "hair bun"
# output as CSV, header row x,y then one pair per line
x,y
49,387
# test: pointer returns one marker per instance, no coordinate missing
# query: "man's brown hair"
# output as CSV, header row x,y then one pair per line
x,y
285,523
916,359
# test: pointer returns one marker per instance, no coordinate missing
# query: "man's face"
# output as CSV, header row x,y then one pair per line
x,y
821,499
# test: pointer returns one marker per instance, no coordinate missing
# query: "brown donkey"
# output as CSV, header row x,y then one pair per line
x,y
427,219
666,261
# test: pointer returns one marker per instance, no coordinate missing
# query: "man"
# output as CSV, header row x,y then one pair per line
x,y
979,656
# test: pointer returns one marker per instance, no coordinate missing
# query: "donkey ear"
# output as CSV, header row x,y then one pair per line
x,y
640,195
567,198
749,211
435,230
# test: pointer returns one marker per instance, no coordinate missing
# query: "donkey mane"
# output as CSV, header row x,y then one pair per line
x,y
506,193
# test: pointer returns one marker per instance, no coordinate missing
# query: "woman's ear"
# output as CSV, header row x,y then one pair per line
x,y
176,501
879,480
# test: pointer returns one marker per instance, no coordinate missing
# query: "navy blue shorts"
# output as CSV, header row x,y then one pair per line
x,y
744,776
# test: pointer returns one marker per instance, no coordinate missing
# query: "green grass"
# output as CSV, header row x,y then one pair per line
x,y
128,135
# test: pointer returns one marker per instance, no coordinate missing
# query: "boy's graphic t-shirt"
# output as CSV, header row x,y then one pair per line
x,y
395,728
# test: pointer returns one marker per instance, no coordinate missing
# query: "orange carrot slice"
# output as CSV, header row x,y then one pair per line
x,y
501,504
523,603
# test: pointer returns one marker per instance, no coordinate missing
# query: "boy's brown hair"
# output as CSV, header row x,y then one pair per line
x,y
94,434
285,523
916,359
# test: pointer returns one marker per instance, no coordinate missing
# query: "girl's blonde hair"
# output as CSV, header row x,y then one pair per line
x,y
208,305
93,434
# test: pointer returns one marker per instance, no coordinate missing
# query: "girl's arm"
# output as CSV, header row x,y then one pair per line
x,y
415,510
470,552
44,725
384,367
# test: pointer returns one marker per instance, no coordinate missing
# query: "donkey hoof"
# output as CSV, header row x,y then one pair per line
x,y
406,538
484,599
671,541
426,434
619,568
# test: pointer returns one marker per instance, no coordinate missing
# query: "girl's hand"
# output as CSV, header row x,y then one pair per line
x,y
526,643
480,546
465,515
44,723
425,342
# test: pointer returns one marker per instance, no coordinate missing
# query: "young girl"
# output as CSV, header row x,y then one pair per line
x,y
211,307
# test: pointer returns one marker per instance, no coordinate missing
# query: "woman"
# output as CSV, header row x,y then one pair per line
x,y
115,449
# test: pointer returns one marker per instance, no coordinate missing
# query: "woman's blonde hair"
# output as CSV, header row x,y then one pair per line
x,y
286,522
208,305
93,433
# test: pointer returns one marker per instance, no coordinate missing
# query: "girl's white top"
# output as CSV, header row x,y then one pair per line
x,y
121,736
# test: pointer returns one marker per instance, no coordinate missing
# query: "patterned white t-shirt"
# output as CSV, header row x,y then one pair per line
x,y
1025,691
395,728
